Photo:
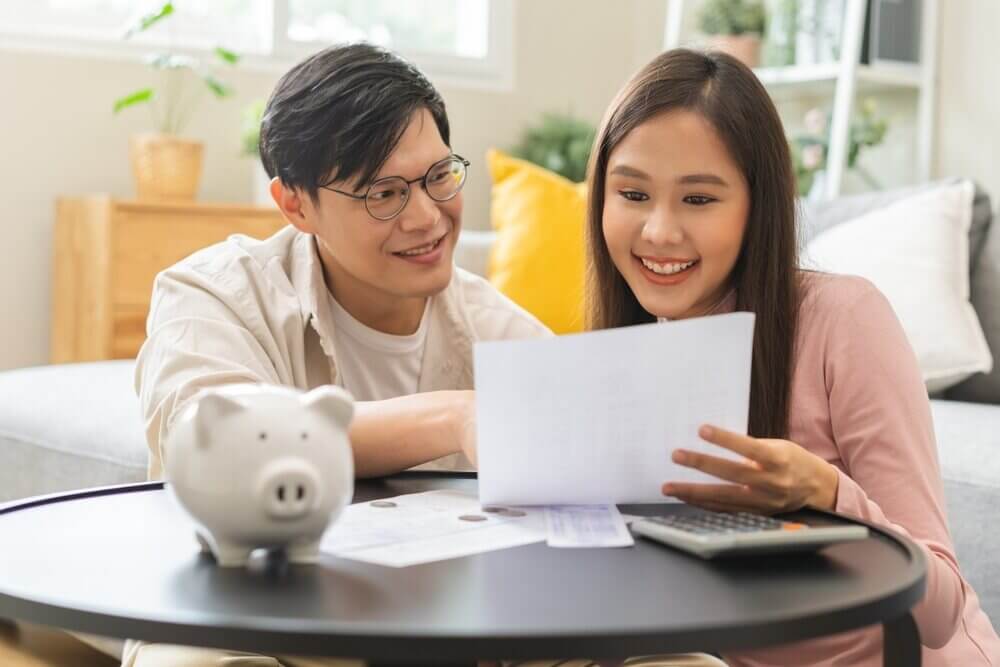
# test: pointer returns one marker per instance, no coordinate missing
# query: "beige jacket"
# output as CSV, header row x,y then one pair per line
x,y
250,311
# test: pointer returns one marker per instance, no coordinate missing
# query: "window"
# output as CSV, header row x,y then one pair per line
x,y
464,41
443,27
235,24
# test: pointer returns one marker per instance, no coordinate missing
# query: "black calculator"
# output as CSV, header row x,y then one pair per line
x,y
713,534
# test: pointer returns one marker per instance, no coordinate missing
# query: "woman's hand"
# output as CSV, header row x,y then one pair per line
x,y
777,476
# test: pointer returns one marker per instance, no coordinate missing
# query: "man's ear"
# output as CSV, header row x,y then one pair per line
x,y
292,204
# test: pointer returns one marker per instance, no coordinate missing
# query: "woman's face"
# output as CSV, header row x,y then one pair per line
x,y
675,209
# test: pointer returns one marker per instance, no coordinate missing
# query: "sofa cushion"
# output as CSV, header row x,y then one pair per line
x,y
538,257
984,266
985,387
817,217
968,441
69,426
916,251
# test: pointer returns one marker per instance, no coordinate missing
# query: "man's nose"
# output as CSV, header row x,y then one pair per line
x,y
421,211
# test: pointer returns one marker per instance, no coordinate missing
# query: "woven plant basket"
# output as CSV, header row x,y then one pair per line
x,y
165,167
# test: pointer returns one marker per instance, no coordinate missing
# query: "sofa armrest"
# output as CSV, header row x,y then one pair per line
x,y
473,250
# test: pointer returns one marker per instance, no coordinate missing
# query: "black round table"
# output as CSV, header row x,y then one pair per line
x,y
122,562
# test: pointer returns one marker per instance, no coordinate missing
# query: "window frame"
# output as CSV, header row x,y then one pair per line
x,y
495,72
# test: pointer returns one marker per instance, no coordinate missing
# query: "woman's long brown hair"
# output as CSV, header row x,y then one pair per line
x,y
729,96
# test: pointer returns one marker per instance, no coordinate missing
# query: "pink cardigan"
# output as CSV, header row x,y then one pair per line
x,y
858,401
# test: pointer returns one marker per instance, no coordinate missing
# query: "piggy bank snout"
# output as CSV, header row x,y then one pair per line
x,y
288,488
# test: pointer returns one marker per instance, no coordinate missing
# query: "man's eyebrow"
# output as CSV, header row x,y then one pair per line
x,y
444,157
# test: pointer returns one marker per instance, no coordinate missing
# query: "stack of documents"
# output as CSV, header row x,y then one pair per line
x,y
438,525
426,527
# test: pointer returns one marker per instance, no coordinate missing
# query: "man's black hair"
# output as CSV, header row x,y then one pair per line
x,y
339,114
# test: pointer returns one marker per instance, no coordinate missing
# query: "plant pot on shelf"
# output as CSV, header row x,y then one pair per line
x,y
165,167
745,48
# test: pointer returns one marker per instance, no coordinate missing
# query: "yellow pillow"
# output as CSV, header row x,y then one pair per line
x,y
537,259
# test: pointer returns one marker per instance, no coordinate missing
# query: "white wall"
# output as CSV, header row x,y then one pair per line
x,y
968,109
58,137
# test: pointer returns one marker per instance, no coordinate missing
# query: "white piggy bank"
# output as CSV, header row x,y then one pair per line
x,y
262,467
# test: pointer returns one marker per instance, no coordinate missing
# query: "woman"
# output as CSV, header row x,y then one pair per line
x,y
692,213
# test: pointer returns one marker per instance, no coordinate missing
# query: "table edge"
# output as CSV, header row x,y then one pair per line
x,y
359,642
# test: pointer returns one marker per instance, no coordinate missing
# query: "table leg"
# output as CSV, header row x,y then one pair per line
x,y
901,642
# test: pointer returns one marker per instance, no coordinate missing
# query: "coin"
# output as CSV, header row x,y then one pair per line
x,y
383,503
493,510
472,517
512,513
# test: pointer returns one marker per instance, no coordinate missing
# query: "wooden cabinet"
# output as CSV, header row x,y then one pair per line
x,y
107,253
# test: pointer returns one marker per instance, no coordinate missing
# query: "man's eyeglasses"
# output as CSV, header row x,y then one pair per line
x,y
387,197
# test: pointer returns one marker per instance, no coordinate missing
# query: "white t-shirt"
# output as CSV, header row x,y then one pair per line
x,y
374,365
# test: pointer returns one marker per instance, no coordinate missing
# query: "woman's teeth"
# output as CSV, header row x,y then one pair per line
x,y
422,250
666,269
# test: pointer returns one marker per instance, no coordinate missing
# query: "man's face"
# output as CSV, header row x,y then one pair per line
x,y
374,267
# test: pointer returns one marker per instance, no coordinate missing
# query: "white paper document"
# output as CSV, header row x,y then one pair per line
x,y
593,418
426,527
572,526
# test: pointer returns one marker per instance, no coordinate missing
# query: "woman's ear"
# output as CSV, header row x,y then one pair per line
x,y
293,205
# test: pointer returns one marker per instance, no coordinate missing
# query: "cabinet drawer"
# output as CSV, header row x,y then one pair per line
x,y
128,331
145,244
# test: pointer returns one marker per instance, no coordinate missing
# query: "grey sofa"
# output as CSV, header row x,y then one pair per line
x,y
73,426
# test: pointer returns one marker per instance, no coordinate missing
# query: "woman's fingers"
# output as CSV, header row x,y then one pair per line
x,y
751,448
727,469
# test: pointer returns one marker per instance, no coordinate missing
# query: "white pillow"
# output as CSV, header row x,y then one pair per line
x,y
916,251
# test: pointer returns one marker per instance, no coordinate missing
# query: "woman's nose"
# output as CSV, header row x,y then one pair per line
x,y
662,228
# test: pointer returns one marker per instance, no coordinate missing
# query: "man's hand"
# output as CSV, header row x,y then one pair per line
x,y
464,416
776,476
399,433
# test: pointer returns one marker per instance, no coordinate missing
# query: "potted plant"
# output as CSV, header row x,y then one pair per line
x,y
250,147
165,165
810,148
734,27
560,143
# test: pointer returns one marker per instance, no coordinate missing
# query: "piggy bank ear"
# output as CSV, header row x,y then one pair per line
x,y
332,402
211,408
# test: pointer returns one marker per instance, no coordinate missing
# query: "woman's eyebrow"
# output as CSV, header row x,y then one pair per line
x,y
704,179
625,170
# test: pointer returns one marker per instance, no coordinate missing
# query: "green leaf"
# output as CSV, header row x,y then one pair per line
x,y
138,97
250,121
149,20
220,89
226,55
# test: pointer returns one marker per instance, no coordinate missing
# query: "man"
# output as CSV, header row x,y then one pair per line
x,y
359,290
